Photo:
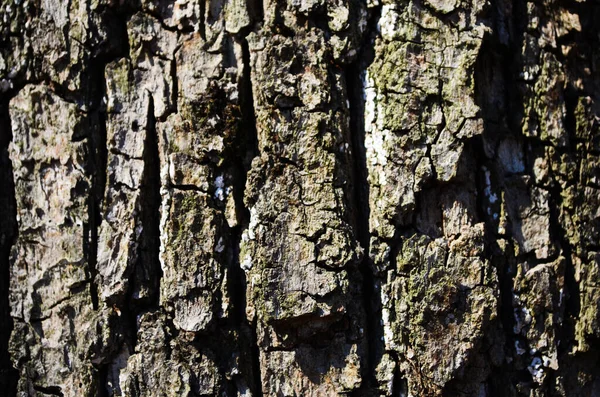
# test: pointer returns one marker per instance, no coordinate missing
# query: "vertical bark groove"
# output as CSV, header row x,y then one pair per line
x,y
97,168
354,78
249,146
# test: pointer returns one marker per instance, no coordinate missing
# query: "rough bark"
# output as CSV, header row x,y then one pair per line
x,y
289,198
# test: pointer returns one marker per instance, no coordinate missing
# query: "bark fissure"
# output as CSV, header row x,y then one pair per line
x,y
355,80
145,278
249,149
97,168
49,390
371,297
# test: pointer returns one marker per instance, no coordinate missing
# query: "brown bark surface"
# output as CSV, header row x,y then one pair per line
x,y
299,198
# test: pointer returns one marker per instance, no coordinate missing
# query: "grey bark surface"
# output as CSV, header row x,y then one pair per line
x,y
299,198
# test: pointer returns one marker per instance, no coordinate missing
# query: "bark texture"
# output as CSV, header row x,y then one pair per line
x,y
299,198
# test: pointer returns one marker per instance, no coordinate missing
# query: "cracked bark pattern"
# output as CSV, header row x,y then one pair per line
x,y
287,198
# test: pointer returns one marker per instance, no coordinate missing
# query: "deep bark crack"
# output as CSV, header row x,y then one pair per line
x,y
371,297
249,143
145,278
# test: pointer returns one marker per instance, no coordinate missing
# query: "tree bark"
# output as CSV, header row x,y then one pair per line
x,y
299,198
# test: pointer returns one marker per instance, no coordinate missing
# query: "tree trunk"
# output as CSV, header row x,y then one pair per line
x,y
299,198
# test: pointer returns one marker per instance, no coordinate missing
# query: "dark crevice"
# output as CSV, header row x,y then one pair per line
x,y
399,382
145,279
67,27
175,86
97,169
101,53
371,298
509,57
97,163
247,107
237,284
185,188
93,97
247,147
255,360
255,7
244,150
494,93
102,379
202,20
49,390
